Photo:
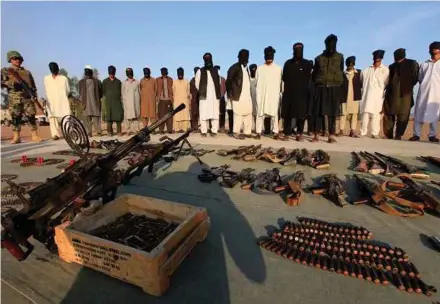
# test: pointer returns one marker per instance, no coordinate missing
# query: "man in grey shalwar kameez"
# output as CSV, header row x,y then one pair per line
x,y
131,100
90,94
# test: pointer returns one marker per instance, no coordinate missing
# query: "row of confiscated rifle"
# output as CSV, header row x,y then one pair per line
x,y
348,250
318,159
377,163
269,181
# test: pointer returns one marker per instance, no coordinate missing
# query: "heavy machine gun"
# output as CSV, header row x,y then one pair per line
x,y
90,178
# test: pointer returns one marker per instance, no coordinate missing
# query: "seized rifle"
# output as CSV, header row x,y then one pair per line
x,y
209,175
88,179
374,167
412,170
380,163
361,164
385,201
235,151
28,90
332,188
267,180
230,179
166,146
318,159
410,189
431,159
292,190
292,158
251,150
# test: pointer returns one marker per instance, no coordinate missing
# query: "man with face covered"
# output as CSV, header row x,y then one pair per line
x,y
148,90
194,102
253,71
181,93
57,92
165,98
399,94
269,82
112,90
353,91
238,88
297,74
222,118
374,82
208,85
90,94
131,99
328,77
428,98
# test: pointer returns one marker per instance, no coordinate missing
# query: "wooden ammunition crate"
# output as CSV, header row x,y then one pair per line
x,y
149,270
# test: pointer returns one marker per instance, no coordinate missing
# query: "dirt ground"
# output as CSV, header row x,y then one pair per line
x,y
44,132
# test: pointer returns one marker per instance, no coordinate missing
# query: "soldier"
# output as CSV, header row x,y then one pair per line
x,y
20,102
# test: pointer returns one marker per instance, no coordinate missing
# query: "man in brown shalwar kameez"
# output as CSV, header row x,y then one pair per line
x,y
164,95
194,102
148,97
181,95
90,94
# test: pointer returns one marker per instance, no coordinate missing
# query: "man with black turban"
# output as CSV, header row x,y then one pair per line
x,y
353,92
269,85
374,82
328,77
90,94
114,112
428,98
57,92
164,85
148,90
181,93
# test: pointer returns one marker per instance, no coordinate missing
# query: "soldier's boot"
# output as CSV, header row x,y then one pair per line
x,y
35,137
16,139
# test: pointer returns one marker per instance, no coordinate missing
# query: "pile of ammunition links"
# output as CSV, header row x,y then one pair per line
x,y
346,250
137,231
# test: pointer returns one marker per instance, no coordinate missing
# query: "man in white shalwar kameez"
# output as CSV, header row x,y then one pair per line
x,y
428,98
269,84
57,92
238,87
207,81
374,81
131,100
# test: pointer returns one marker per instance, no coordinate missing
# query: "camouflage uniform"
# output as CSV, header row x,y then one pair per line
x,y
20,103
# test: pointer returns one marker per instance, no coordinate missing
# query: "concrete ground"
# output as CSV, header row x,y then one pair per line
x,y
228,267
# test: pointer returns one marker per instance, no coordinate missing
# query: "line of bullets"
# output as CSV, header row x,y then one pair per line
x,y
137,231
359,232
336,248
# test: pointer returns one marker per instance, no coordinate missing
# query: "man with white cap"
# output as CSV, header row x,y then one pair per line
x,y
90,94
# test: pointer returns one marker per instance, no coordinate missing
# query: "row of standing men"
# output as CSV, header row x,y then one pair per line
x,y
318,92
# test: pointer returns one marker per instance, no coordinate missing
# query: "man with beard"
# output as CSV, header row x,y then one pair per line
x,y
181,94
222,118
208,85
238,88
90,94
57,92
269,83
428,98
253,72
374,82
194,102
148,90
165,97
20,101
112,90
131,99
328,76
353,92
297,74
399,100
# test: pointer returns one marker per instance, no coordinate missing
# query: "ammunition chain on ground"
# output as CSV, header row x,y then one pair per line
x,y
8,192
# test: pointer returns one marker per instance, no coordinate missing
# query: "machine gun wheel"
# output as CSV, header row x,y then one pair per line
x,y
75,135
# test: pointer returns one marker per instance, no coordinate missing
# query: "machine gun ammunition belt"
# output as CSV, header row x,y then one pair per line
x,y
6,177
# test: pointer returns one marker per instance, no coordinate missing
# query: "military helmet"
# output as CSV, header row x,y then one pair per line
x,y
12,54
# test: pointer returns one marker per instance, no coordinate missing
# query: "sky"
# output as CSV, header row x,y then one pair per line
x,y
177,34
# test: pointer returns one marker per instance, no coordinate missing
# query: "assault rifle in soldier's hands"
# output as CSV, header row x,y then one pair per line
x,y
28,90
